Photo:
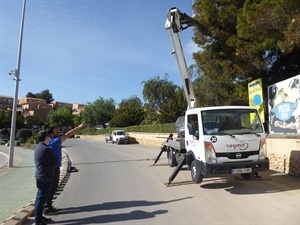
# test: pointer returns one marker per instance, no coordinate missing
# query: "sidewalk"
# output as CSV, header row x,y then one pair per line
x,y
17,185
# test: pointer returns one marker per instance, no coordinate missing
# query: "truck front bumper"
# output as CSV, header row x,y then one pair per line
x,y
209,169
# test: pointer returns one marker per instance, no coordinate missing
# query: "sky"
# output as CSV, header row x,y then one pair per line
x,y
81,50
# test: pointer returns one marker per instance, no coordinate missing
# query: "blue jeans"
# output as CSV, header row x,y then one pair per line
x,y
44,186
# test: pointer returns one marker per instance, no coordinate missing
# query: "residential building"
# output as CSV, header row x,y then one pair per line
x,y
27,100
77,109
6,102
57,104
34,107
37,107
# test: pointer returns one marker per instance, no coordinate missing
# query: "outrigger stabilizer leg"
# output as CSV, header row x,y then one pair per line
x,y
177,169
163,149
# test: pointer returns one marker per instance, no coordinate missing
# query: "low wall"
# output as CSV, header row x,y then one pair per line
x,y
283,151
150,139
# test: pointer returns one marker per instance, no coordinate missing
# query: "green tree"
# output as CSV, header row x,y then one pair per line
x,y
218,28
61,117
157,90
130,112
209,91
19,121
5,118
30,95
45,94
151,115
99,112
162,97
242,40
173,108
77,119
267,30
31,120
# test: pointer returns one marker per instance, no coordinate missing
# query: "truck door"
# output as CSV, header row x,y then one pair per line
x,y
192,134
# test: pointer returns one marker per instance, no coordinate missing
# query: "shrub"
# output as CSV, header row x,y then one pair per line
x,y
23,134
33,139
157,128
4,133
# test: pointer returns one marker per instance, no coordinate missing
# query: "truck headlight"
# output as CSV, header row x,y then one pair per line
x,y
262,150
210,155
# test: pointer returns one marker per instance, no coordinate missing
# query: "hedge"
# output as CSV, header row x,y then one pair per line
x,y
159,128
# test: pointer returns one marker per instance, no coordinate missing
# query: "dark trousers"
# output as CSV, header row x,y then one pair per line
x,y
54,187
44,186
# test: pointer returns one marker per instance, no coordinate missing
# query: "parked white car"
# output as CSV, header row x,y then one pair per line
x,y
120,137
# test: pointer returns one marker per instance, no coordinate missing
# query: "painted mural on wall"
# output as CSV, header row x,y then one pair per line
x,y
284,106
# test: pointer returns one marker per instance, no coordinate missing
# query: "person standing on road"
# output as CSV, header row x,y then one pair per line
x,y
170,137
45,162
55,146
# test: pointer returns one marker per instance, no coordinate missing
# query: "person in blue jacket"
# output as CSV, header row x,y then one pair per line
x,y
55,143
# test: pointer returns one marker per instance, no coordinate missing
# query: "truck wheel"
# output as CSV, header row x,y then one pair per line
x,y
106,140
197,177
247,176
172,158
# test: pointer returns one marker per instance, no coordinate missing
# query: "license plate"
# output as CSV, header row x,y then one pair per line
x,y
241,170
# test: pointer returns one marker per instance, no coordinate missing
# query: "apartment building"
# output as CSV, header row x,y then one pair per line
x,y
77,109
37,107
34,107
6,102
27,100
57,104
39,110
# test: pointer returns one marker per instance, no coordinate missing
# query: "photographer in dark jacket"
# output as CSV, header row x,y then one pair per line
x,y
45,162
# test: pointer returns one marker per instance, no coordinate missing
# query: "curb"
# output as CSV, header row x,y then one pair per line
x,y
22,216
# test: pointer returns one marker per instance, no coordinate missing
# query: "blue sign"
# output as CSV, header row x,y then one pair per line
x,y
284,110
257,100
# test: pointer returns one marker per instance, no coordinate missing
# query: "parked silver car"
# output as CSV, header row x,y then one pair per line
x,y
120,137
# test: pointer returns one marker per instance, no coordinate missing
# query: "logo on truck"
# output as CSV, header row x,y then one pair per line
x,y
238,155
241,146
213,139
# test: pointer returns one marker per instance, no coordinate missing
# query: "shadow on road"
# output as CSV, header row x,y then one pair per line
x,y
269,182
116,205
108,218
133,215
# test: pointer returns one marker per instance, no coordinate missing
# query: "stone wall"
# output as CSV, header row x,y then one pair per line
x,y
285,164
155,139
284,154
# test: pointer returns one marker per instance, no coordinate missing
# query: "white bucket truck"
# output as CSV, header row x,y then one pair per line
x,y
212,140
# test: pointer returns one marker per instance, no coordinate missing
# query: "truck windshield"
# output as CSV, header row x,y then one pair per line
x,y
231,122
120,132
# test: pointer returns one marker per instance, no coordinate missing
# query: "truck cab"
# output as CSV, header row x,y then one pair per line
x,y
224,140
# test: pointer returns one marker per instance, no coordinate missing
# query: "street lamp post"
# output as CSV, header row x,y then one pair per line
x,y
16,73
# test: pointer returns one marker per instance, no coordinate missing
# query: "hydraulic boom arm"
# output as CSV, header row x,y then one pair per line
x,y
176,22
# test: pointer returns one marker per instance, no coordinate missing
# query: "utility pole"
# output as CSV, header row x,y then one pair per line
x,y
16,73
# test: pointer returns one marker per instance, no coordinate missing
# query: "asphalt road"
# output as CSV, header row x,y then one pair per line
x,y
117,184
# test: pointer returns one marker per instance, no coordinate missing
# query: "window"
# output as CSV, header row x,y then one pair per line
x,y
231,121
193,125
